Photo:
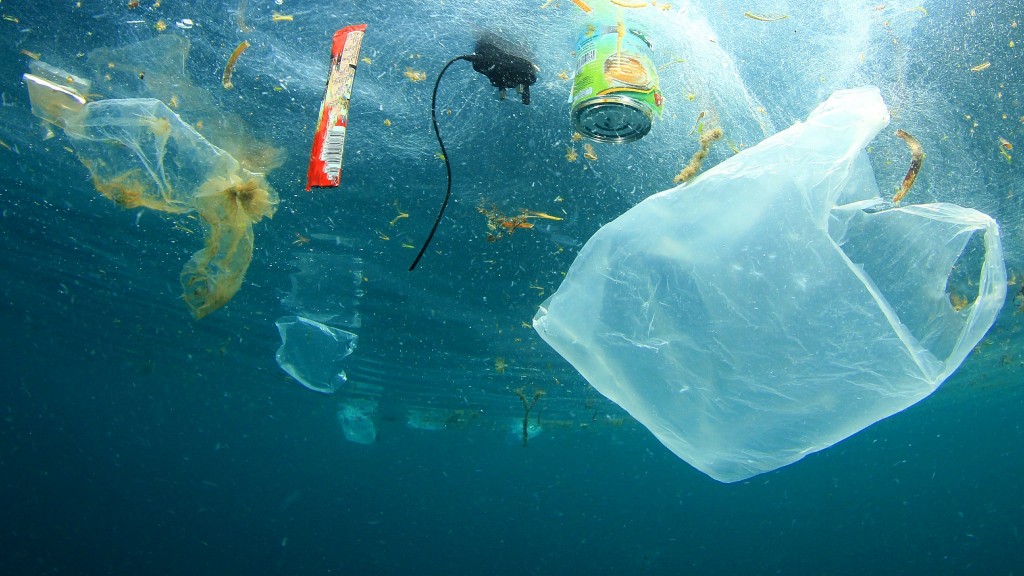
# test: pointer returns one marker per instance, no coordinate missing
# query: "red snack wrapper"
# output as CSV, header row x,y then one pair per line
x,y
329,140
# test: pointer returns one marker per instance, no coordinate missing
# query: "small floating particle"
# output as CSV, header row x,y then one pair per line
x,y
366,60
1005,143
916,158
630,3
30,54
230,68
160,25
588,152
571,155
693,167
185,24
11,18
543,215
957,301
415,75
278,17
582,5
387,122
983,66
766,17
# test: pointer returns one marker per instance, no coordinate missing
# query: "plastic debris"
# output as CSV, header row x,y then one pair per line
x,y
772,306
313,353
356,420
329,139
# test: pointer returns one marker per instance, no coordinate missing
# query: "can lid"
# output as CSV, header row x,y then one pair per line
x,y
613,119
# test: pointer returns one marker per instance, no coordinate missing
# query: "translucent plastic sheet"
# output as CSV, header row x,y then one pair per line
x,y
775,306
316,341
313,353
142,154
356,418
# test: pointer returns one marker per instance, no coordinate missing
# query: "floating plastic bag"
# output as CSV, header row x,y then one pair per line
x,y
142,154
314,353
356,420
772,307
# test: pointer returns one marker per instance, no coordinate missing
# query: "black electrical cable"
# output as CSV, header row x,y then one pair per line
x,y
444,154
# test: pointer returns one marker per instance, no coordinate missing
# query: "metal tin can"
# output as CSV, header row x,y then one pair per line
x,y
615,93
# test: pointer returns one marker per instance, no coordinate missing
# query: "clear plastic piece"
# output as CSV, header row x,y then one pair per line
x,y
313,353
356,418
776,305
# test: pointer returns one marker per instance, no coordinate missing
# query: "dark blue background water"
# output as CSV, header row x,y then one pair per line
x,y
109,469
134,440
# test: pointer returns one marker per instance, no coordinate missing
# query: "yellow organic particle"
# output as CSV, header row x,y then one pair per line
x,y
160,25
691,169
766,18
387,122
415,75
576,136
278,17
983,66
630,3
500,365
400,215
916,158
527,406
698,126
30,54
300,240
564,74
957,301
571,154
542,215
366,60
582,5
230,68
498,223
588,152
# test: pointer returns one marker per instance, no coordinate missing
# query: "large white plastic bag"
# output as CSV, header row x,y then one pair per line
x,y
761,313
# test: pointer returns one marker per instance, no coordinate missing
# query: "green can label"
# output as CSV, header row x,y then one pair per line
x,y
615,94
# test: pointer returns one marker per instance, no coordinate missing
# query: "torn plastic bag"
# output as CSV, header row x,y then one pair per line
x,y
773,307
313,353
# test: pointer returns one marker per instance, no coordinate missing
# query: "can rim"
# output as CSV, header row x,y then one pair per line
x,y
623,101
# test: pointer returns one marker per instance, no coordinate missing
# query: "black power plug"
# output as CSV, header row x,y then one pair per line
x,y
504,69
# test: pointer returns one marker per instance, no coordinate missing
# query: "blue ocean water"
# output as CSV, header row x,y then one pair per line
x,y
136,440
